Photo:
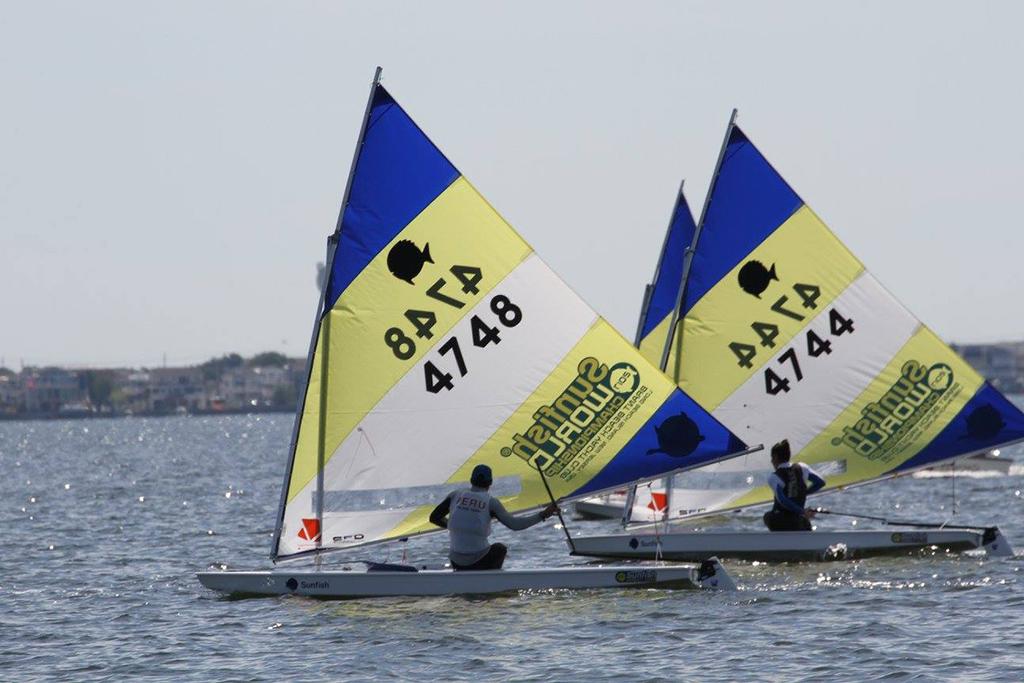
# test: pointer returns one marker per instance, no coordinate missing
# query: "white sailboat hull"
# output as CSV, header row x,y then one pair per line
x,y
613,506
786,546
986,463
597,508
339,584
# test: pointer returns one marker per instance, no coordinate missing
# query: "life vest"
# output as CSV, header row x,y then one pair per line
x,y
469,522
793,485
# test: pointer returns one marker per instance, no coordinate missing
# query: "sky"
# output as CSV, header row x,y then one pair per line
x,y
169,171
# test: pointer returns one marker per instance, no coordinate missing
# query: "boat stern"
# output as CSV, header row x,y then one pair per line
x,y
712,575
995,544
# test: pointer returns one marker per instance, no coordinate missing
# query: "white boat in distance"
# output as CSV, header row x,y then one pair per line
x,y
608,506
442,342
985,465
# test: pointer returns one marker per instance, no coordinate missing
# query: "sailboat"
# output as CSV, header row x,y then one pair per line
x,y
781,333
442,341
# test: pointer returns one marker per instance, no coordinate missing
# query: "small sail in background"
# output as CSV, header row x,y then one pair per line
x,y
445,342
660,297
785,334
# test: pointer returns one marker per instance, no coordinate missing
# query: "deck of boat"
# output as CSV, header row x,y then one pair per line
x,y
781,546
342,584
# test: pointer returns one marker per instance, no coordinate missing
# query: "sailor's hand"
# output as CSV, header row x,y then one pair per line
x,y
809,513
548,511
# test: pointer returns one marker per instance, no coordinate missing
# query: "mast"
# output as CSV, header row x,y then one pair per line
x,y
681,294
644,307
688,258
321,319
649,290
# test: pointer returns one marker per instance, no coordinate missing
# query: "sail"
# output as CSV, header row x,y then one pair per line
x,y
785,335
660,300
444,342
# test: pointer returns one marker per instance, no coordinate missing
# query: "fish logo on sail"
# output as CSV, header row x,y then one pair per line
x,y
310,530
678,436
754,278
406,260
984,422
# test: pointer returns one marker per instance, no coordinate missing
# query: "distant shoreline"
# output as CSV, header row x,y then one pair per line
x,y
40,417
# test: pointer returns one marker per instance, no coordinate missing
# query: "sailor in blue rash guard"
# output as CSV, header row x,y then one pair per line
x,y
791,484
469,513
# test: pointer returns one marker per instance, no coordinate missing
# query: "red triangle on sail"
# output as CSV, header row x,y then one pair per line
x,y
658,501
310,530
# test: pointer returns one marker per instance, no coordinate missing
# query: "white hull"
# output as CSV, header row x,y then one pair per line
x,y
611,507
784,546
977,464
340,584
597,508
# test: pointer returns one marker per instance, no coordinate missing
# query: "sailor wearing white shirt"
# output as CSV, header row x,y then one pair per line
x,y
791,484
469,513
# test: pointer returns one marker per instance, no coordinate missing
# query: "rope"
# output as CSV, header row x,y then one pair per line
x,y
899,522
657,534
952,467
558,510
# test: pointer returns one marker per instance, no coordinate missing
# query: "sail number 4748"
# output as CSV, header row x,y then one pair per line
x,y
482,333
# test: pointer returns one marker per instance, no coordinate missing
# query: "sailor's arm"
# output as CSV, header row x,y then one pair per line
x,y
437,517
815,482
499,512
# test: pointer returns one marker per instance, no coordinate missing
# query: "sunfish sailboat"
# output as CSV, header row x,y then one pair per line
x,y
443,342
781,333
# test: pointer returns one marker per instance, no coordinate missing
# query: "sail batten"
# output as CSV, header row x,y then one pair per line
x,y
446,342
786,335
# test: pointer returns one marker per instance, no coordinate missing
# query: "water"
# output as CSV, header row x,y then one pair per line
x,y
107,521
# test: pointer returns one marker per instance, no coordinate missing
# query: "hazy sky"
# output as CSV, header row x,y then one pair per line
x,y
169,170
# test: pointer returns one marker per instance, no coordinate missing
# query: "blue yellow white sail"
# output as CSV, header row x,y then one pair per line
x,y
785,334
445,342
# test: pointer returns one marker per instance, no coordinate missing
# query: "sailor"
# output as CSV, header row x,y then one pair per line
x,y
791,484
469,513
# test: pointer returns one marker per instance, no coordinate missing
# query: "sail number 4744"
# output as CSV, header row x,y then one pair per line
x,y
767,332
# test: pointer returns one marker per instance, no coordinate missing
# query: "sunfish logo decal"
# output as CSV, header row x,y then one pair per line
x,y
566,426
886,423
310,530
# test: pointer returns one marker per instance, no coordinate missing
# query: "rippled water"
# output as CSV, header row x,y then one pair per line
x,y
107,521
